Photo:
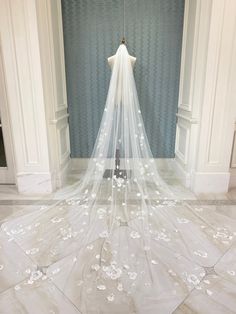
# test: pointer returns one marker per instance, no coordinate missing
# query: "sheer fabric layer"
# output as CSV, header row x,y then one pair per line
x,y
121,243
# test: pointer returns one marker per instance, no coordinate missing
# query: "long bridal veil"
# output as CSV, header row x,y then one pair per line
x,y
121,243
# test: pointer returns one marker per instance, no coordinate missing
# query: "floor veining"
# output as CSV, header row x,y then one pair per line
x,y
214,294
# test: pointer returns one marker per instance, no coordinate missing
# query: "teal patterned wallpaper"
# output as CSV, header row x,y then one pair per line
x,y
92,32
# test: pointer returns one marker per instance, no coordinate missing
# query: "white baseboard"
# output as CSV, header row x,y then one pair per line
x,y
208,182
205,182
41,182
35,183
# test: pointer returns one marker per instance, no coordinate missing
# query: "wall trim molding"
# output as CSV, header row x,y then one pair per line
x,y
188,119
182,155
210,182
52,49
55,121
35,182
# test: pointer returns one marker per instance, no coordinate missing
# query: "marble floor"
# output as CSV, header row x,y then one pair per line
x,y
215,293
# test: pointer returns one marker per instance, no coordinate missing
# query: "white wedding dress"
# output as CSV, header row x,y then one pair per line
x,y
122,243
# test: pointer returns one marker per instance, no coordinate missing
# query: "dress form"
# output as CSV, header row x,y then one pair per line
x,y
111,60
120,83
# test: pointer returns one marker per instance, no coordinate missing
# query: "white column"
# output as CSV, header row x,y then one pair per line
x,y
36,171
206,103
54,83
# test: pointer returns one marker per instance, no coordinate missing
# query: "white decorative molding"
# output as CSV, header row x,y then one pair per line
x,y
216,121
206,93
184,106
36,88
22,64
53,70
188,119
218,112
31,105
182,142
193,59
55,121
54,16
189,50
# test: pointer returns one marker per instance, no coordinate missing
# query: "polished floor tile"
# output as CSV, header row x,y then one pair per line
x,y
226,266
35,297
194,268
214,295
13,264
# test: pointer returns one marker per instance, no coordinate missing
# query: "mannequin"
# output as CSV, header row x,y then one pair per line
x,y
111,60
119,173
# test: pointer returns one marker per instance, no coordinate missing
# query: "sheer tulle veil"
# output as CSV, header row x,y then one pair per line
x,y
121,243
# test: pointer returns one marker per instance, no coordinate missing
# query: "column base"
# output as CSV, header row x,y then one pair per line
x,y
208,182
35,183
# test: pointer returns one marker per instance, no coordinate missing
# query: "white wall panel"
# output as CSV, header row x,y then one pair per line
x,y
33,58
53,69
21,59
